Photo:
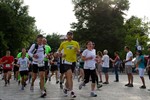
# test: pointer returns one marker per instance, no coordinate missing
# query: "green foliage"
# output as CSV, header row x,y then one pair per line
x,y
101,21
54,41
17,28
136,29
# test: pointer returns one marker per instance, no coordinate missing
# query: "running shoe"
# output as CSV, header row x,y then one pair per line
x,y
65,92
93,94
130,85
80,86
106,83
61,86
127,84
72,94
99,86
57,82
43,95
143,87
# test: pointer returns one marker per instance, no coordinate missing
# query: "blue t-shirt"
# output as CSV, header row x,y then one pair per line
x,y
142,61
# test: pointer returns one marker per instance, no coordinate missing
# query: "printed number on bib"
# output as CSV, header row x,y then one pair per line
x,y
7,65
68,63
23,66
40,64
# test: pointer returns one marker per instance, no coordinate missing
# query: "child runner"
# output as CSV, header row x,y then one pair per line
x,y
23,63
54,67
81,70
99,65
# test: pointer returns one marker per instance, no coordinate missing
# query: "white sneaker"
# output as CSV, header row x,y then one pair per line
x,y
65,92
93,94
72,95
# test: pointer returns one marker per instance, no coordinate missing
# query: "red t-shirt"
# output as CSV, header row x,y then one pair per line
x,y
8,64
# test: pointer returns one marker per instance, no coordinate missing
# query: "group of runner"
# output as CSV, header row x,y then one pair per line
x,y
37,61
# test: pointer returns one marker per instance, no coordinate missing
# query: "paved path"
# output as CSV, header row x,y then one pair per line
x,y
113,91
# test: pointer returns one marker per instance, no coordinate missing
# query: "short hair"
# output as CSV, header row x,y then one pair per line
x,y
127,47
100,53
8,51
117,52
39,36
105,51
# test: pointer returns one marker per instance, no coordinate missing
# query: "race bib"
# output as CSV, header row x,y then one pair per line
x,y
41,64
24,66
68,63
7,65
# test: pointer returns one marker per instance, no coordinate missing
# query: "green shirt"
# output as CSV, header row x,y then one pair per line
x,y
19,55
47,51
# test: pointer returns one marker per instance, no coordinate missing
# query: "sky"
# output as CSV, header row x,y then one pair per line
x,y
55,16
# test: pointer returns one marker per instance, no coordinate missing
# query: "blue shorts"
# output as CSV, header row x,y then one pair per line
x,y
105,70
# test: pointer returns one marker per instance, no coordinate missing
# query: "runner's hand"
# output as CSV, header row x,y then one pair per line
x,y
64,55
136,69
90,58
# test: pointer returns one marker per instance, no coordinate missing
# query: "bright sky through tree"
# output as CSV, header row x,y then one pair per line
x,y
57,15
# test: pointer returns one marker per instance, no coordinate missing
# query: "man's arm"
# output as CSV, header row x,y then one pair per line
x,y
30,52
130,59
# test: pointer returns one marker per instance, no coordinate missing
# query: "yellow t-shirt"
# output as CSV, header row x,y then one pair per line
x,y
69,50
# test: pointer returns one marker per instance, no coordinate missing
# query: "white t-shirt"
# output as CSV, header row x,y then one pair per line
x,y
23,64
128,56
89,64
105,60
40,53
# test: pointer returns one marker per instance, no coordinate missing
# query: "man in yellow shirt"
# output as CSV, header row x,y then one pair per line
x,y
71,48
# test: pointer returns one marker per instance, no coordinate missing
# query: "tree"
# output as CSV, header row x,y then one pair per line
x,y
17,28
136,29
54,41
101,21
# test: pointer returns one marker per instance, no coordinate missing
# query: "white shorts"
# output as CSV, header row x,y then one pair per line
x,y
141,72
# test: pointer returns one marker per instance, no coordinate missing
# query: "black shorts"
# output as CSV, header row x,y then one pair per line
x,y
16,68
37,69
6,70
61,67
23,73
46,65
90,73
105,70
67,67
54,67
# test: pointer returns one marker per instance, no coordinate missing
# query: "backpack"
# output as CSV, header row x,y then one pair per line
x,y
36,47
